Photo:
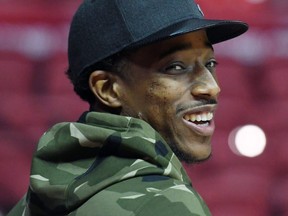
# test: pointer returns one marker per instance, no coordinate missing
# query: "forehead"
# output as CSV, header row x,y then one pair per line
x,y
193,41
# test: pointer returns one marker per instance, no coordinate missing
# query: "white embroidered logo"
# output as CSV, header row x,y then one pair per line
x,y
200,9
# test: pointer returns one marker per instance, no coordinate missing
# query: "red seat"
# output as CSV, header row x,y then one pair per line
x,y
279,198
35,114
276,78
20,110
57,81
233,78
271,114
244,187
16,73
278,149
236,209
15,160
233,112
64,107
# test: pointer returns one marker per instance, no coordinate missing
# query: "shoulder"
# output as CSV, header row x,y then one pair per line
x,y
143,196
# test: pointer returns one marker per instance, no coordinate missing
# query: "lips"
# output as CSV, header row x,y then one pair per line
x,y
200,120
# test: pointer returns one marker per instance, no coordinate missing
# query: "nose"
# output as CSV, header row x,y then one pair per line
x,y
206,86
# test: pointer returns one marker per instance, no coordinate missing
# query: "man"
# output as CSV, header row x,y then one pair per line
x,y
147,69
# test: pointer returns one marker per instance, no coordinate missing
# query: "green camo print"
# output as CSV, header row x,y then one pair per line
x,y
107,165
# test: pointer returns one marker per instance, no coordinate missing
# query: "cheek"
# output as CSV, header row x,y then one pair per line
x,y
157,95
165,91
162,97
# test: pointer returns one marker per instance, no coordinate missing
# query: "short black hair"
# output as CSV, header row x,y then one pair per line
x,y
113,64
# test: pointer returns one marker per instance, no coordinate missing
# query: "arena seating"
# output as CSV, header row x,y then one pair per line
x,y
35,94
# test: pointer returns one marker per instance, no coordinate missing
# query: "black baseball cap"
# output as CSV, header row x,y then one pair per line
x,y
102,28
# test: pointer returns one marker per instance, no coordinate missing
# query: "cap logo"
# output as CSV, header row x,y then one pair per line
x,y
200,10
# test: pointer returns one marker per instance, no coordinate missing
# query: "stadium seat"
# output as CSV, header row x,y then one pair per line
x,y
64,107
233,78
233,112
57,81
15,161
238,209
244,187
276,78
20,110
278,196
16,73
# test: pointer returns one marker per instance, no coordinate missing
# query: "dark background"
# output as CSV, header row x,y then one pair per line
x,y
35,94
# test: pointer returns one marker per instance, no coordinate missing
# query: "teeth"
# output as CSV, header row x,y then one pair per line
x,y
210,116
204,117
207,116
192,118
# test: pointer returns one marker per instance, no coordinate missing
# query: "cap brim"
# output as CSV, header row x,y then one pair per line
x,y
217,30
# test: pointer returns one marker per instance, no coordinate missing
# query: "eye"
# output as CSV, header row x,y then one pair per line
x,y
212,64
174,68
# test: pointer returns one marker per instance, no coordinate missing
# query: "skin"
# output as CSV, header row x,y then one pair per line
x,y
167,80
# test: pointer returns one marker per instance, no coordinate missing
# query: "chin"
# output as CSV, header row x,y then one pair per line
x,y
202,158
192,159
198,154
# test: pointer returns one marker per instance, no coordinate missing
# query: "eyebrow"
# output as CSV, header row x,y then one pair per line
x,y
181,47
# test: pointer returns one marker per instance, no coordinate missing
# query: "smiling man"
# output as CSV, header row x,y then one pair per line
x,y
172,86
147,69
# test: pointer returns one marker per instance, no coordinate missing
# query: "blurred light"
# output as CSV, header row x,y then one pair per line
x,y
248,141
256,1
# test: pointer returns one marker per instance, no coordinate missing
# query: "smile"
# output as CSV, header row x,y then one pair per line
x,y
199,118
201,123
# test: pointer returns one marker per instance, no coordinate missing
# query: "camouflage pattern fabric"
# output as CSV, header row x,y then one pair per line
x,y
107,165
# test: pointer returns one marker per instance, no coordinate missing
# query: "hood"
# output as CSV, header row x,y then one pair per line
x,y
74,161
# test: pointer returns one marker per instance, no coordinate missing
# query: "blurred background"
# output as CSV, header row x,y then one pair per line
x,y
248,172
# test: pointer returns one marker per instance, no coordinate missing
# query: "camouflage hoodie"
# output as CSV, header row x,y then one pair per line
x,y
107,165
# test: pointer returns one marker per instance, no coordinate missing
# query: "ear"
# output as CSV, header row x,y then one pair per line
x,y
105,87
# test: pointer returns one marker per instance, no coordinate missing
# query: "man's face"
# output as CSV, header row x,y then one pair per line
x,y
172,85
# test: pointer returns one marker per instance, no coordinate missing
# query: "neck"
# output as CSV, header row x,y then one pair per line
x,y
99,107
